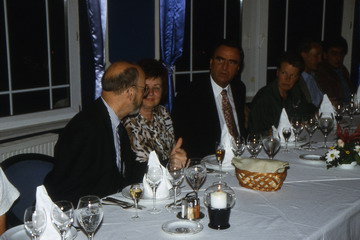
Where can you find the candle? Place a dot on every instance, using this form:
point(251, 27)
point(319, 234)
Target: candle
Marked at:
point(218, 199)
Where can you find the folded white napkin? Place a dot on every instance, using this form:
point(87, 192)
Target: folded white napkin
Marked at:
point(164, 186)
point(326, 107)
point(283, 123)
point(226, 141)
point(43, 201)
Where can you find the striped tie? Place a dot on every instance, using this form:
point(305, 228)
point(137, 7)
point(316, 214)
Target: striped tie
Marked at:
point(228, 114)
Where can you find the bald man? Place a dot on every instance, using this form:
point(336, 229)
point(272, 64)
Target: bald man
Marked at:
point(93, 154)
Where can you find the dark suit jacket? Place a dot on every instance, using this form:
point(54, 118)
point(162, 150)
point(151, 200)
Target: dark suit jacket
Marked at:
point(85, 158)
point(330, 82)
point(196, 119)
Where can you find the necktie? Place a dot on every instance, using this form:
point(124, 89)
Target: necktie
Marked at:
point(121, 133)
point(228, 114)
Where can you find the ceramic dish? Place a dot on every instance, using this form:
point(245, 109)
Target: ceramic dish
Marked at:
point(19, 233)
point(181, 227)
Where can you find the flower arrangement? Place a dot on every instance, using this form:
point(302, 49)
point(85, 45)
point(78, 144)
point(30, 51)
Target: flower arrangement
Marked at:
point(346, 150)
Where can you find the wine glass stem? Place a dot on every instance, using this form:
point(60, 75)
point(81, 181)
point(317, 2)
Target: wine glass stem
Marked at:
point(296, 139)
point(154, 198)
point(91, 236)
point(175, 190)
point(220, 172)
point(136, 208)
point(325, 140)
point(63, 235)
point(310, 137)
point(286, 149)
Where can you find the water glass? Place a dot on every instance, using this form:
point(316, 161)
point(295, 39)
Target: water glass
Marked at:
point(254, 144)
point(311, 125)
point(35, 221)
point(90, 214)
point(297, 126)
point(62, 216)
point(176, 176)
point(238, 146)
point(271, 146)
point(326, 124)
point(154, 175)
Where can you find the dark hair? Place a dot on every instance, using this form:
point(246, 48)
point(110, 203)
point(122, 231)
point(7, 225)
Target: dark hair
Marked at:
point(306, 44)
point(155, 69)
point(335, 42)
point(230, 43)
point(121, 81)
point(293, 59)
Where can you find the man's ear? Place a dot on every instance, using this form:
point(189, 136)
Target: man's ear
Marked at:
point(130, 93)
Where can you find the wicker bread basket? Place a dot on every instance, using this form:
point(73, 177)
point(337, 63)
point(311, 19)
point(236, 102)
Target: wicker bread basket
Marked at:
point(267, 182)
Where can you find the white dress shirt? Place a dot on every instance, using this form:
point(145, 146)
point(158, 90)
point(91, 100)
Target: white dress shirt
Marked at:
point(115, 121)
point(218, 99)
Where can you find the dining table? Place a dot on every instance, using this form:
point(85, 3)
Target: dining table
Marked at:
point(313, 203)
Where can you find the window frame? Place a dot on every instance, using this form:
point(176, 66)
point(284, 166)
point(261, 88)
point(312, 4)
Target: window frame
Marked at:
point(26, 124)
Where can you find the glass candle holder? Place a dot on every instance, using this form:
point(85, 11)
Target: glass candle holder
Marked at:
point(219, 199)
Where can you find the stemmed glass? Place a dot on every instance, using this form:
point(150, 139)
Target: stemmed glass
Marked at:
point(311, 125)
point(339, 112)
point(62, 216)
point(297, 126)
point(271, 146)
point(238, 146)
point(154, 175)
point(286, 132)
point(326, 124)
point(195, 176)
point(254, 145)
point(35, 221)
point(136, 191)
point(220, 154)
point(90, 214)
point(351, 110)
point(176, 177)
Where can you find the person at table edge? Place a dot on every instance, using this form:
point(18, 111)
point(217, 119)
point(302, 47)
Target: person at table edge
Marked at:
point(269, 101)
point(197, 111)
point(88, 159)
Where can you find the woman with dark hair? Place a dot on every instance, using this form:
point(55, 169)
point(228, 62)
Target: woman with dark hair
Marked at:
point(152, 128)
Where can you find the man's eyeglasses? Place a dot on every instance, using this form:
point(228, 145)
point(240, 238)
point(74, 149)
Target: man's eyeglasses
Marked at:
point(145, 89)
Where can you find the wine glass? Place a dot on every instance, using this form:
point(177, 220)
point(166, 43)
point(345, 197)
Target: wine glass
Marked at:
point(351, 110)
point(35, 221)
point(254, 145)
point(136, 191)
point(311, 125)
point(62, 216)
point(238, 146)
point(326, 124)
point(90, 214)
point(286, 132)
point(339, 112)
point(220, 154)
point(195, 176)
point(271, 146)
point(297, 126)
point(176, 177)
point(154, 175)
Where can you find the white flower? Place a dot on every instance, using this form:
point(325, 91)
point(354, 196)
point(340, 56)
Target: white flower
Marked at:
point(331, 155)
point(340, 143)
point(357, 149)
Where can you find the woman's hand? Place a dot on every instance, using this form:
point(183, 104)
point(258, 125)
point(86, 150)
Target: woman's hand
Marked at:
point(178, 155)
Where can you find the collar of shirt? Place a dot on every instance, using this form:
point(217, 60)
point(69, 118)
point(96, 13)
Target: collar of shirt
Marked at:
point(218, 98)
point(115, 121)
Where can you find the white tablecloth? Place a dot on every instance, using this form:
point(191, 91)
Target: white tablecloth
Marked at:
point(314, 203)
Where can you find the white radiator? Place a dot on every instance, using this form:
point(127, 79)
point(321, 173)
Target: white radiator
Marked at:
point(39, 144)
